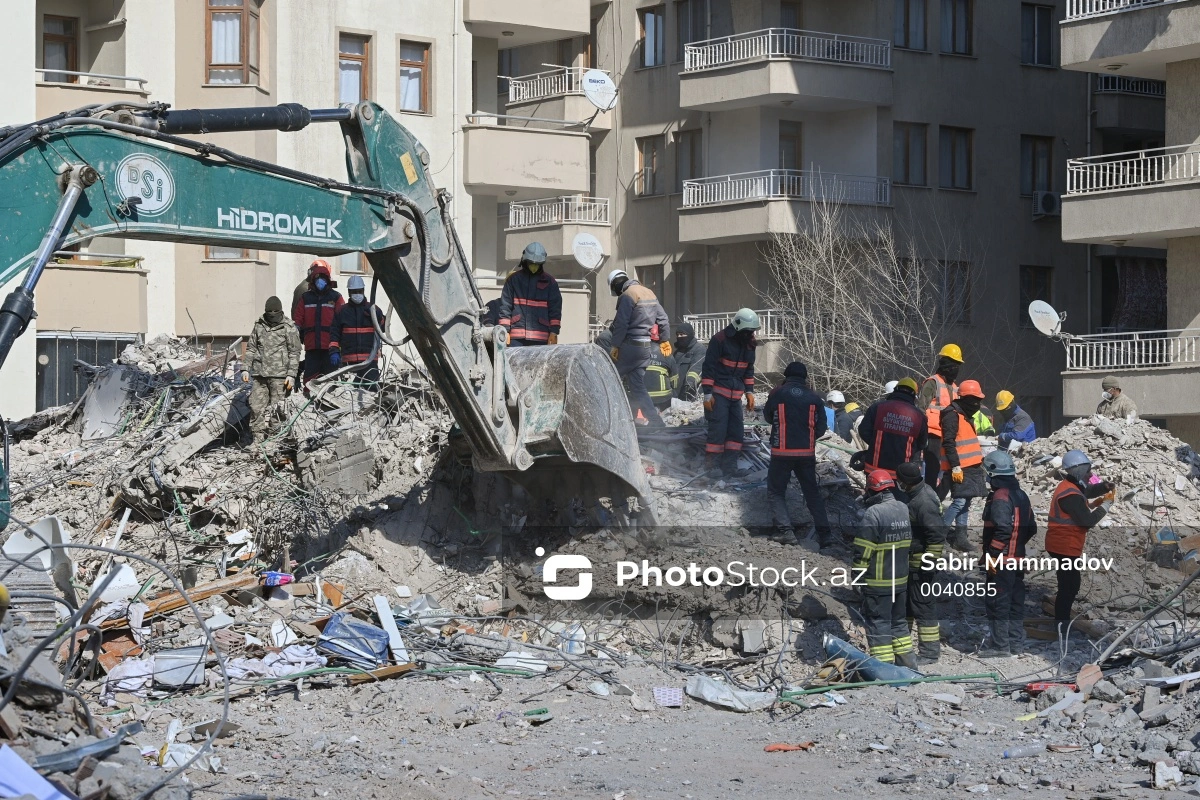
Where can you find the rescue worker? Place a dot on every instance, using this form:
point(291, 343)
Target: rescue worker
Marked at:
point(1008, 525)
point(889, 387)
point(982, 420)
point(937, 392)
point(662, 376)
point(728, 374)
point(272, 358)
point(893, 429)
point(928, 538)
point(313, 315)
point(530, 303)
point(1076, 506)
point(639, 323)
point(304, 285)
point(1015, 424)
point(354, 338)
point(1113, 403)
point(844, 425)
point(689, 355)
point(797, 420)
point(961, 462)
point(881, 548)
point(835, 403)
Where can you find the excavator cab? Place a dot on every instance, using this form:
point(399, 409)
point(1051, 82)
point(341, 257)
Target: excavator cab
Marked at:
point(552, 418)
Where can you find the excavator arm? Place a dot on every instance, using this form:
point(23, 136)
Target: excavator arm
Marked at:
point(553, 418)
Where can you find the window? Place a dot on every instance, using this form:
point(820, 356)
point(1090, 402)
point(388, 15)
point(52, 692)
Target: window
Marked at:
point(649, 180)
point(1037, 283)
point(688, 163)
point(690, 21)
point(58, 382)
point(567, 50)
point(353, 68)
point(60, 48)
point(232, 41)
point(789, 15)
point(590, 55)
point(506, 67)
point(414, 77)
point(354, 264)
point(908, 153)
point(593, 154)
point(956, 27)
point(1037, 165)
point(689, 287)
point(789, 145)
point(651, 43)
point(216, 252)
point(1037, 34)
point(952, 292)
point(651, 277)
point(909, 29)
point(955, 157)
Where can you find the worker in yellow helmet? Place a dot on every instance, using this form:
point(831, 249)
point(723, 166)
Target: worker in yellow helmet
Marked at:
point(1015, 423)
point(937, 393)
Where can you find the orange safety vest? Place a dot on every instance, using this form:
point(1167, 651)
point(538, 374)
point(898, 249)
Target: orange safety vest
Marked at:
point(970, 452)
point(1063, 536)
point(944, 394)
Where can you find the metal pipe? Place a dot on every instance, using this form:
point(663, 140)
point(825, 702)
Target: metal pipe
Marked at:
point(44, 71)
point(331, 114)
point(284, 117)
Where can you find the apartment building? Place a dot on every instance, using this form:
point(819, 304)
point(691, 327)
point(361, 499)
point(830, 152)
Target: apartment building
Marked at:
point(1137, 199)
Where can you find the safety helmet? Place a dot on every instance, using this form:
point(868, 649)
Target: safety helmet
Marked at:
point(1004, 399)
point(970, 389)
point(534, 253)
point(318, 267)
point(999, 462)
point(1076, 458)
point(879, 479)
point(835, 396)
point(356, 284)
point(617, 276)
point(851, 407)
point(907, 383)
point(745, 320)
point(951, 351)
point(890, 387)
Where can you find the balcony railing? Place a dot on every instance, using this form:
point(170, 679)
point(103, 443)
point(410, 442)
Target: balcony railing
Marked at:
point(1082, 9)
point(787, 43)
point(706, 325)
point(1120, 84)
point(787, 184)
point(558, 211)
point(1110, 352)
point(93, 78)
point(555, 82)
point(1106, 173)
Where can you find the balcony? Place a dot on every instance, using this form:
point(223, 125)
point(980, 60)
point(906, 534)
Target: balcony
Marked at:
point(1160, 370)
point(769, 356)
point(1129, 104)
point(93, 292)
point(1139, 198)
point(555, 222)
point(1136, 38)
point(516, 24)
point(507, 157)
point(63, 90)
point(753, 206)
point(809, 70)
point(554, 94)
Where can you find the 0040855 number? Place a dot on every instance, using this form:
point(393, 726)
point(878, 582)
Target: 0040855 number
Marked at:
point(958, 589)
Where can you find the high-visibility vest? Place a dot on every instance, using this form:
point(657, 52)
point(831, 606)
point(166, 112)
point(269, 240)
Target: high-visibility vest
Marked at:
point(1063, 536)
point(658, 382)
point(944, 394)
point(970, 452)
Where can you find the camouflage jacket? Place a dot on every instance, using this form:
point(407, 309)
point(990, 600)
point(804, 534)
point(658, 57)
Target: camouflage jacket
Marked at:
point(274, 350)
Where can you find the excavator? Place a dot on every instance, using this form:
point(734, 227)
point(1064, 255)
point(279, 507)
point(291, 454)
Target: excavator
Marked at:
point(553, 419)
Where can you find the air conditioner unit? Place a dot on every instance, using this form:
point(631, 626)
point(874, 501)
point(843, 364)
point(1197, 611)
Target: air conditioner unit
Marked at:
point(1047, 204)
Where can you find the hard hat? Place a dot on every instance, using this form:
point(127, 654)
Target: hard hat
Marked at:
point(999, 462)
point(907, 383)
point(534, 253)
point(952, 351)
point(1004, 399)
point(850, 407)
point(356, 284)
point(318, 266)
point(878, 480)
point(890, 387)
point(835, 396)
point(617, 275)
point(1110, 382)
point(1075, 458)
point(970, 389)
point(745, 320)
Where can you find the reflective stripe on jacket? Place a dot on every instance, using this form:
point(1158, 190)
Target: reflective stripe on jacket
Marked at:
point(531, 306)
point(1008, 522)
point(796, 417)
point(881, 548)
point(353, 333)
point(894, 430)
point(639, 316)
point(963, 450)
point(1063, 536)
point(943, 395)
point(662, 375)
point(313, 315)
point(728, 365)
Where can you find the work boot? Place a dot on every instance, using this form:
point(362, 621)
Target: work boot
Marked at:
point(994, 649)
point(826, 539)
point(930, 652)
point(729, 464)
point(780, 515)
point(960, 541)
point(784, 534)
point(712, 466)
point(908, 659)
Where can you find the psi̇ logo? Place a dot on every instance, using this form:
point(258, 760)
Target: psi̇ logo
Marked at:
point(550, 575)
point(143, 176)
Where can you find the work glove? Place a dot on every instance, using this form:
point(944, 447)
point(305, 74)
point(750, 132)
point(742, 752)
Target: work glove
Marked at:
point(956, 475)
point(709, 403)
point(616, 351)
point(245, 376)
point(554, 338)
point(750, 401)
point(665, 349)
point(288, 383)
point(335, 357)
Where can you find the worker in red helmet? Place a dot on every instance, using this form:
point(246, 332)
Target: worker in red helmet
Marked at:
point(314, 314)
point(961, 462)
point(881, 570)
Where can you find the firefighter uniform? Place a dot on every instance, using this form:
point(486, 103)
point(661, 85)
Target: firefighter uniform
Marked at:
point(354, 337)
point(881, 549)
point(689, 355)
point(530, 307)
point(797, 420)
point(1008, 525)
point(313, 314)
point(894, 430)
point(728, 374)
point(662, 377)
point(928, 538)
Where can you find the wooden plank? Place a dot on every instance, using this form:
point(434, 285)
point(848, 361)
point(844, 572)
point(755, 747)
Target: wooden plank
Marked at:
point(382, 674)
point(175, 601)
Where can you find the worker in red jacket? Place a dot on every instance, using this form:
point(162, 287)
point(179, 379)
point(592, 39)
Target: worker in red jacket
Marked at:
point(354, 339)
point(313, 315)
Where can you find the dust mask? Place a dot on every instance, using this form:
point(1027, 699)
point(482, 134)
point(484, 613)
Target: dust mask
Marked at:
point(1107, 395)
point(533, 268)
point(320, 283)
point(357, 298)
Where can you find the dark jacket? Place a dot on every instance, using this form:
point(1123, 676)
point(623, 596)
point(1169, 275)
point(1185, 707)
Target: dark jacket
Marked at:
point(885, 528)
point(844, 423)
point(314, 314)
point(928, 527)
point(639, 316)
point(1018, 426)
point(353, 332)
point(797, 419)
point(1008, 521)
point(662, 377)
point(974, 482)
point(531, 306)
point(691, 364)
point(728, 365)
point(895, 431)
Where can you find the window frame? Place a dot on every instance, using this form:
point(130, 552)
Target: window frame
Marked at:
point(1029, 171)
point(660, 42)
point(1043, 273)
point(695, 138)
point(652, 276)
point(1038, 8)
point(954, 6)
point(909, 129)
point(907, 44)
point(682, 38)
point(792, 130)
point(250, 63)
point(659, 143)
point(247, 254)
point(426, 67)
point(507, 62)
point(942, 178)
point(364, 88)
point(797, 8)
point(72, 43)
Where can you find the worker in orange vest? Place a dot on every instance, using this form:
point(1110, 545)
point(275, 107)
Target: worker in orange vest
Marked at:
point(937, 392)
point(961, 462)
point(1076, 506)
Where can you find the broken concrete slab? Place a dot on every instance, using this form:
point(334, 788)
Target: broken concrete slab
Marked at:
point(110, 390)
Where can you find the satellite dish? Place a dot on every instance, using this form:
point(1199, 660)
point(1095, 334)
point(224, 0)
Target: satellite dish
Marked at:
point(588, 251)
point(1045, 318)
point(599, 89)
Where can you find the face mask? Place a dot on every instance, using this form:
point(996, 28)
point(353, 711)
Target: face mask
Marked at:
point(1107, 395)
point(273, 317)
point(950, 372)
point(357, 298)
point(320, 283)
point(533, 268)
